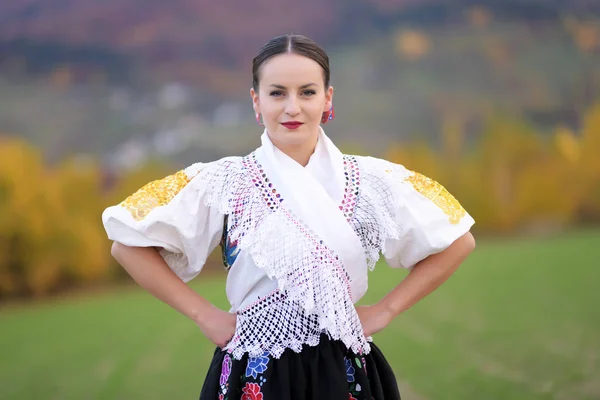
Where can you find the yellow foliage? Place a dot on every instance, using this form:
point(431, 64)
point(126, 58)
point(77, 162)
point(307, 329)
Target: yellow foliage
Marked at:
point(48, 222)
point(417, 157)
point(567, 144)
point(412, 44)
point(590, 140)
point(513, 177)
point(542, 195)
point(589, 170)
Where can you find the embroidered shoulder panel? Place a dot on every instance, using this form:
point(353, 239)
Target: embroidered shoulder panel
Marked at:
point(155, 194)
point(436, 193)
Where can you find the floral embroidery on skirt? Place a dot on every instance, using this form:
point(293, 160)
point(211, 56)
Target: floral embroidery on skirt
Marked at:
point(328, 371)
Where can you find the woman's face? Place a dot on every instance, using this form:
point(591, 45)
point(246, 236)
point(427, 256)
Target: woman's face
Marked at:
point(292, 99)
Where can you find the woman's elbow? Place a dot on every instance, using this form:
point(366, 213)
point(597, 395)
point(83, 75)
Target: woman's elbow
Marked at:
point(116, 249)
point(469, 242)
point(465, 246)
point(461, 248)
point(119, 251)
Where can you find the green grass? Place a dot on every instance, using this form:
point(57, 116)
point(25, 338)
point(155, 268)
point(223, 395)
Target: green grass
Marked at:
point(520, 320)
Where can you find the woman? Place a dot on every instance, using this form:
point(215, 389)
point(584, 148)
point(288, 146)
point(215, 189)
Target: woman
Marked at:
point(300, 225)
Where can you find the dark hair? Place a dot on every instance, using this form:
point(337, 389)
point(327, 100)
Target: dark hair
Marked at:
point(294, 44)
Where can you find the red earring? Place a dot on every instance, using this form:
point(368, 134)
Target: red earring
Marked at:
point(328, 115)
point(258, 121)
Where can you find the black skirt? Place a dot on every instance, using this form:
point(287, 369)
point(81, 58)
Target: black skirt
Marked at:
point(328, 371)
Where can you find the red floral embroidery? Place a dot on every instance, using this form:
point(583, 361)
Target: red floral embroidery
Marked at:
point(221, 397)
point(252, 392)
point(350, 397)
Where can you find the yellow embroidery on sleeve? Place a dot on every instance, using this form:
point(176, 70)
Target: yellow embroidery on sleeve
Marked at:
point(438, 195)
point(155, 194)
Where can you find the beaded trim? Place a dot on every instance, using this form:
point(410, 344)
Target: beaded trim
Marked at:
point(261, 181)
point(352, 175)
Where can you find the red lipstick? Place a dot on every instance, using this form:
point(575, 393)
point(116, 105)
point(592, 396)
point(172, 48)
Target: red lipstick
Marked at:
point(292, 124)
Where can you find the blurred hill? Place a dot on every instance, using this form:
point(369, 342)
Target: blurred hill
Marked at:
point(189, 39)
point(134, 79)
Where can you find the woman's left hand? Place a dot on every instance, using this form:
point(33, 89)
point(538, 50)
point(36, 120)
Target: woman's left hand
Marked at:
point(374, 318)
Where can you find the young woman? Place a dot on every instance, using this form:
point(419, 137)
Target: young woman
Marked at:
point(300, 225)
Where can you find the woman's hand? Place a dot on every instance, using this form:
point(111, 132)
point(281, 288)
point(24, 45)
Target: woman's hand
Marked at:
point(373, 318)
point(147, 267)
point(217, 325)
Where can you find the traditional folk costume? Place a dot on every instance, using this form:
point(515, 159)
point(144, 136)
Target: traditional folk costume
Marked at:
point(298, 243)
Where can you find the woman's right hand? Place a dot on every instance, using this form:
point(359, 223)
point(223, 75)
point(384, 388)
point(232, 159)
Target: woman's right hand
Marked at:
point(218, 326)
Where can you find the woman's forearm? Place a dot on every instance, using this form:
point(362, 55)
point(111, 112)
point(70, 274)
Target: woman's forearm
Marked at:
point(427, 275)
point(150, 271)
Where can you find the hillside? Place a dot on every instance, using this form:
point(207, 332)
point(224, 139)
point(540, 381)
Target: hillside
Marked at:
point(192, 40)
point(128, 78)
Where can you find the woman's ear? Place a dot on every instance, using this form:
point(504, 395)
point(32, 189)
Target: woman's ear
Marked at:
point(255, 102)
point(328, 99)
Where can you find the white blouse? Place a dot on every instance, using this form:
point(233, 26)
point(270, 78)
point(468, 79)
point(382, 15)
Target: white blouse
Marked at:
point(298, 241)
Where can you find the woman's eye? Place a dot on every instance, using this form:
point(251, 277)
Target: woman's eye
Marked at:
point(310, 93)
point(276, 93)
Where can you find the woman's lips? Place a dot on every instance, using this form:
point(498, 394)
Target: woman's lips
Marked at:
point(292, 125)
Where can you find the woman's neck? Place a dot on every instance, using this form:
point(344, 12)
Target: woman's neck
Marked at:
point(300, 152)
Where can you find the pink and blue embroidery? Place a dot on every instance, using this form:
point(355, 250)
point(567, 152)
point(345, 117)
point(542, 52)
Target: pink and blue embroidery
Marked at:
point(261, 181)
point(253, 379)
point(229, 248)
point(352, 176)
point(272, 198)
point(349, 370)
point(224, 378)
point(225, 370)
point(257, 365)
point(354, 387)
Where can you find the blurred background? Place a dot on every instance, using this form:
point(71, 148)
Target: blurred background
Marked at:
point(497, 100)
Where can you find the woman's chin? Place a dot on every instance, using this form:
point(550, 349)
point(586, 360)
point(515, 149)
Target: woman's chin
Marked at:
point(292, 137)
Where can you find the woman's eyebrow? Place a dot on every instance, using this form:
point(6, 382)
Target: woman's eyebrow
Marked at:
point(301, 87)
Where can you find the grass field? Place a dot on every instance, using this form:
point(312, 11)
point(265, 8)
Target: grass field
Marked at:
point(520, 320)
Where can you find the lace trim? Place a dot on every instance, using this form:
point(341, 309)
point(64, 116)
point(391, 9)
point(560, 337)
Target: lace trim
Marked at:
point(229, 248)
point(307, 272)
point(375, 218)
point(282, 323)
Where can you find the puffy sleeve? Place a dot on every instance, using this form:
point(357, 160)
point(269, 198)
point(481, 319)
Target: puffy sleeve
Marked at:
point(171, 214)
point(428, 218)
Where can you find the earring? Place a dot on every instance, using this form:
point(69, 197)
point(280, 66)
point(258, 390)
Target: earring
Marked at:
point(328, 115)
point(258, 121)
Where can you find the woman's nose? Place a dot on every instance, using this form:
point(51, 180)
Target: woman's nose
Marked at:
point(292, 107)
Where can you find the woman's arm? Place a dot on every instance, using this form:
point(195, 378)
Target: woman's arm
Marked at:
point(424, 278)
point(150, 271)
